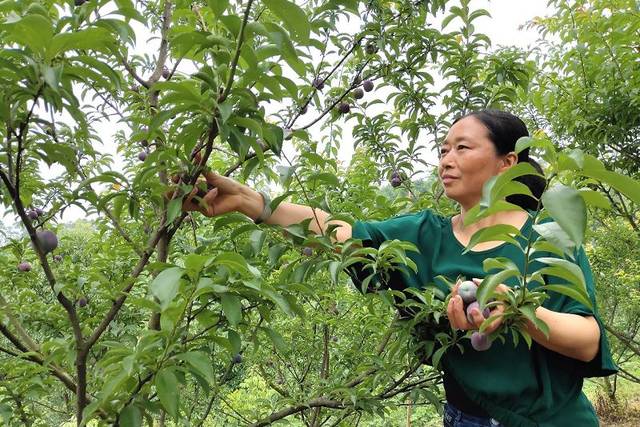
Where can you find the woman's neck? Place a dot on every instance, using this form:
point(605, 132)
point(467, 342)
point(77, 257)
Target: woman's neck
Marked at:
point(515, 218)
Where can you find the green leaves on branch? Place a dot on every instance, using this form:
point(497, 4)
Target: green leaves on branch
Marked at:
point(568, 209)
point(167, 388)
point(292, 16)
point(166, 284)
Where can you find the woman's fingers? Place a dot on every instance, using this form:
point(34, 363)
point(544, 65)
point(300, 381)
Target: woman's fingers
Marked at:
point(495, 324)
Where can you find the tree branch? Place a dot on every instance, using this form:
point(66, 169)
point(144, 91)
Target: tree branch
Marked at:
point(314, 403)
point(234, 63)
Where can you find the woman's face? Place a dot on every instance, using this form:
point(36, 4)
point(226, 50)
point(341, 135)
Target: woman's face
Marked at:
point(468, 159)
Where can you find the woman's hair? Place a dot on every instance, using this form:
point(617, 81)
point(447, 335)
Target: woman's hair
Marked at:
point(504, 130)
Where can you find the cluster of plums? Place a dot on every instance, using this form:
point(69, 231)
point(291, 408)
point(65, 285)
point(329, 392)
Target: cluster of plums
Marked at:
point(34, 214)
point(344, 107)
point(467, 291)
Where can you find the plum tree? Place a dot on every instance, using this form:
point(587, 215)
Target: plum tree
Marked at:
point(47, 240)
point(467, 291)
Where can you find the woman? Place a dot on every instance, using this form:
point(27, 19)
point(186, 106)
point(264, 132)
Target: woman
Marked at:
point(507, 384)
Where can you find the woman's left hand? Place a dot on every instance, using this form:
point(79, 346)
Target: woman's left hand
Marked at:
point(458, 317)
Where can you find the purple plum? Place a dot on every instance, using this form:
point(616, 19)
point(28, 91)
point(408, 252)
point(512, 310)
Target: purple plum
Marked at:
point(367, 85)
point(24, 266)
point(467, 291)
point(47, 240)
point(474, 305)
point(318, 83)
point(480, 341)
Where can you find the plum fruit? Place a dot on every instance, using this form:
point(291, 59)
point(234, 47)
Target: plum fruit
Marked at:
point(47, 240)
point(318, 83)
point(474, 305)
point(24, 266)
point(480, 341)
point(358, 93)
point(467, 291)
point(367, 85)
point(344, 108)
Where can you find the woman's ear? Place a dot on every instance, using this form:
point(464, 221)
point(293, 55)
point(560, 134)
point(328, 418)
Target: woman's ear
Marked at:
point(509, 160)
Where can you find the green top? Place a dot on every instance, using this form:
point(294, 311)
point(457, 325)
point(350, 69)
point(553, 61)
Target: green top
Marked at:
point(516, 385)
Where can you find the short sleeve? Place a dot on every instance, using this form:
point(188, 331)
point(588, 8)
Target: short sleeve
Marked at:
point(376, 232)
point(602, 365)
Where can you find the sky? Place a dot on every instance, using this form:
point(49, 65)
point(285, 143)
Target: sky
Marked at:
point(503, 28)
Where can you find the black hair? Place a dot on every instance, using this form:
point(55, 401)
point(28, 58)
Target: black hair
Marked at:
point(504, 129)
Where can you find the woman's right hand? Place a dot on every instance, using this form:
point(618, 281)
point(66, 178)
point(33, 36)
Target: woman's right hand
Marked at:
point(226, 195)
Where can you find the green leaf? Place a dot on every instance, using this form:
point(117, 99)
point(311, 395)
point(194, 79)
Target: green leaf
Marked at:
point(292, 16)
point(476, 213)
point(33, 31)
point(167, 388)
point(234, 340)
point(174, 209)
point(595, 199)
point(569, 291)
point(232, 308)
point(627, 186)
point(489, 284)
point(91, 38)
point(502, 232)
point(131, 416)
point(277, 340)
point(555, 235)
point(568, 209)
point(234, 262)
point(52, 153)
point(166, 284)
point(218, 6)
point(200, 364)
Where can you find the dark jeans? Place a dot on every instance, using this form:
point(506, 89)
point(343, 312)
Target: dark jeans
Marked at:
point(453, 417)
